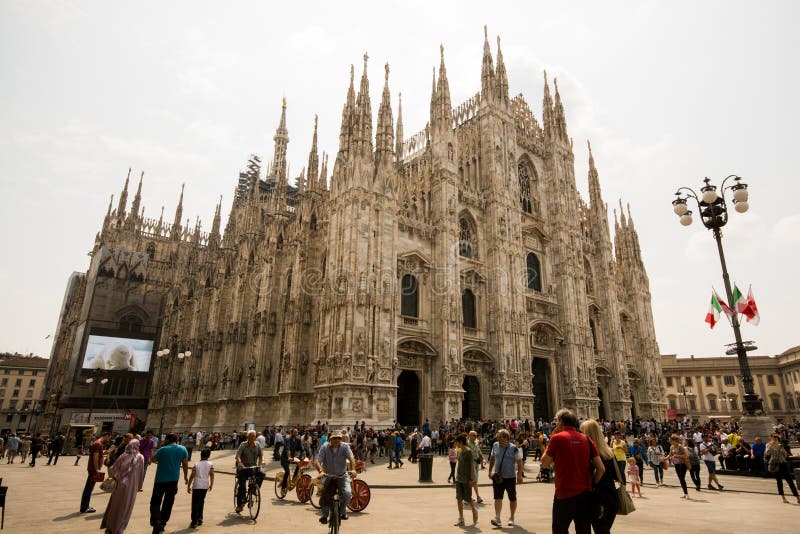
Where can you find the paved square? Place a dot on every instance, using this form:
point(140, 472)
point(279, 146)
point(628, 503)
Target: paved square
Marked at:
point(45, 499)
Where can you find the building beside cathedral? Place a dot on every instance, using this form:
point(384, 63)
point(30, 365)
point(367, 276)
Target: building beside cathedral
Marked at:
point(454, 272)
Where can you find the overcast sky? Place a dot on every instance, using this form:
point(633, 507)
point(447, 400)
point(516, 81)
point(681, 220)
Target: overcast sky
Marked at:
point(667, 92)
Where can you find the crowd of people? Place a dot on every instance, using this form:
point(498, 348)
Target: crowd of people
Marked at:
point(585, 491)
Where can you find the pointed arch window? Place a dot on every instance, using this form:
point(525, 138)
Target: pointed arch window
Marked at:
point(524, 188)
point(409, 297)
point(467, 246)
point(534, 272)
point(468, 309)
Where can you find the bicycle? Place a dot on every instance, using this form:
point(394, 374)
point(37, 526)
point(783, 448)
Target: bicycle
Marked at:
point(253, 495)
point(361, 493)
point(301, 480)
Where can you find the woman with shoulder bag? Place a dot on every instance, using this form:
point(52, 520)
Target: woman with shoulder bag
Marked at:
point(777, 464)
point(128, 471)
point(604, 493)
point(679, 457)
point(694, 463)
point(655, 455)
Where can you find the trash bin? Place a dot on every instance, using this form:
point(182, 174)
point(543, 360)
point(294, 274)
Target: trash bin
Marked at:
point(425, 462)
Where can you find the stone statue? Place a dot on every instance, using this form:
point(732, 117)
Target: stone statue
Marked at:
point(372, 367)
point(239, 374)
point(304, 362)
point(225, 374)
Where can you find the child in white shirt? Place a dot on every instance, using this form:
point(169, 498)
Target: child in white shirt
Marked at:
point(200, 482)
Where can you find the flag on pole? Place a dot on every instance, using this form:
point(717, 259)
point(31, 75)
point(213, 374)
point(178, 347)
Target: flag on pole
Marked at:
point(725, 308)
point(738, 302)
point(714, 309)
point(751, 310)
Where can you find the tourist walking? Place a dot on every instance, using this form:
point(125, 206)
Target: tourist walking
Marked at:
point(620, 448)
point(201, 481)
point(146, 446)
point(464, 480)
point(505, 465)
point(776, 454)
point(604, 490)
point(171, 458)
point(694, 463)
point(569, 449)
point(56, 446)
point(128, 471)
point(477, 455)
point(36, 448)
point(655, 457)
point(94, 468)
point(13, 448)
point(708, 451)
point(679, 458)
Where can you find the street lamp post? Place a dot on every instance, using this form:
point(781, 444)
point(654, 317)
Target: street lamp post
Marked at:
point(181, 356)
point(713, 210)
point(91, 382)
point(685, 393)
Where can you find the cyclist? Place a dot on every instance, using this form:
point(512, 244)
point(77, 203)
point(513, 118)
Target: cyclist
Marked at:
point(249, 454)
point(293, 448)
point(333, 459)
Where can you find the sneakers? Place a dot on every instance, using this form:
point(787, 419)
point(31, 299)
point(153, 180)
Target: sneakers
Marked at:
point(239, 509)
point(344, 517)
point(323, 520)
point(510, 521)
point(89, 510)
point(474, 516)
point(496, 522)
point(479, 501)
point(720, 486)
point(710, 487)
point(192, 525)
point(459, 522)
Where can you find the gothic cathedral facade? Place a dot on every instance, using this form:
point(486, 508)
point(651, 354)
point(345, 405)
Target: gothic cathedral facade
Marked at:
point(454, 273)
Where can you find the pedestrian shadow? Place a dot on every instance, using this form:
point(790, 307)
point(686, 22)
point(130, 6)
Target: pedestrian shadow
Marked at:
point(69, 516)
point(697, 500)
point(230, 520)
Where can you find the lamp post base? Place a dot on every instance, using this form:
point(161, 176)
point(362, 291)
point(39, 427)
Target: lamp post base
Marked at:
point(756, 426)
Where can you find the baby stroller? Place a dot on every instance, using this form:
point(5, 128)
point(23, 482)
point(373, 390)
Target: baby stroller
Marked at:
point(545, 475)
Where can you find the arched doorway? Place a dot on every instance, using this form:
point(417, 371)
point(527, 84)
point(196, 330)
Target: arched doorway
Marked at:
point(601, 407)
point(471, 405)
point(541, 391)
point(408, 398)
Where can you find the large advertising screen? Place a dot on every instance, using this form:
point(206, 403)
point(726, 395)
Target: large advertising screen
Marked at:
point(118, 354)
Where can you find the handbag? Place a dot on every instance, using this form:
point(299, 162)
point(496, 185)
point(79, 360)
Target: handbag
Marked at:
point(624, 502)
point(665, 464)
point(98, 476)
point(109, 485)
point(497, 476)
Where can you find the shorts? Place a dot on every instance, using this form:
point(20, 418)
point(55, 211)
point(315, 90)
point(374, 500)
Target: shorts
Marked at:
point(509, 485)
point(711, 465)
point(463, 491)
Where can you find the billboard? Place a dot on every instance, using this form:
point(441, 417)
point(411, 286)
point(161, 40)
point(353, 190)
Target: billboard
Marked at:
point(118, 354)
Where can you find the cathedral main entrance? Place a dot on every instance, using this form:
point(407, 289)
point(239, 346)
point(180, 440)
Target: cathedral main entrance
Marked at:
point(408, 398)
point(541, 390)
point(471, 405)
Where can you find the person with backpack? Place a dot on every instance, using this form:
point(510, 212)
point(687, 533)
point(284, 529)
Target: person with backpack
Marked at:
point(655, 457)
point(694, 463)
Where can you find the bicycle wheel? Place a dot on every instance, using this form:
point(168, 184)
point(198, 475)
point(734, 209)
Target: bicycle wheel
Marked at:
point(303, 488)
point(361, 496)
point(254, 500)
point(333, 524)
point(279, 492)
point(236, 494)
point(313, 494)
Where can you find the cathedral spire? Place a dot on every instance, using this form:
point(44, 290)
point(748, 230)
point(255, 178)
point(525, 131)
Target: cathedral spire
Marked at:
point(595, 197)
point(176, 225)
point(301, 182)
point(279, 173)
point(214, 237)
point(313, 159)
point(363, 120)
point(110, 202)
point(502, 76)
point(398, 149)
point(433, 93)
point(487, 68)
point(323, 175)
point(123, 197)
point(384, 137)
point(623, 222)
point(348, 112)
point(547, 109)
point(137, 201)
point(442, 108)
point(558, 111)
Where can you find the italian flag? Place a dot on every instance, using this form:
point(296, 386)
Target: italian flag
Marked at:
point(738, 302)
point(714, 309)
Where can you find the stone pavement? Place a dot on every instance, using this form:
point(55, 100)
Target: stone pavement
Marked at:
point(45, 499)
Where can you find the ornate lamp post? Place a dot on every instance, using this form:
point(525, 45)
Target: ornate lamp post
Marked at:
point(686, 393)
point(180, 356)
point(713, 210)
point(92, 383)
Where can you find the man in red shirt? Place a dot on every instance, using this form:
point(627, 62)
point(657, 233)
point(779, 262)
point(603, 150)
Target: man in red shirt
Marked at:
point(94, 465)
point(574, 455)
